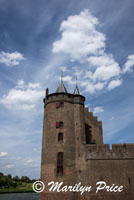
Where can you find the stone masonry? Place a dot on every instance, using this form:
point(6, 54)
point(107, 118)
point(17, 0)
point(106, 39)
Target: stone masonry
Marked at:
point(71, 132)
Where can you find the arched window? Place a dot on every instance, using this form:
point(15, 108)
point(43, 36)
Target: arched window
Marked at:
point(60, 137)
point(60, 163)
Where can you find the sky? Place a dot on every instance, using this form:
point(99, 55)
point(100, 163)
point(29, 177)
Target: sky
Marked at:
point(92, 40)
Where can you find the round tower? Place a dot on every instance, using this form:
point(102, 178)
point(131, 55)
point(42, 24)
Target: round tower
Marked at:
point(63, 130)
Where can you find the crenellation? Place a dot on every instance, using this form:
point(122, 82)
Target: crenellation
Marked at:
point(85, 158)
point(118, 151)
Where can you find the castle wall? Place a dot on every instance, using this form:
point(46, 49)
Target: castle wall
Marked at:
point(96, 126)
point(85, 163)
point(113, 166)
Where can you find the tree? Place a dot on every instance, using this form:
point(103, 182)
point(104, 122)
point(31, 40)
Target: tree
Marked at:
point(16, 178)
point(25, 179)
point(9, 175)
point(1, 174)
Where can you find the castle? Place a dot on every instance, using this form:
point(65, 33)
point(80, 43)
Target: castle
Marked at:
point(73, 151)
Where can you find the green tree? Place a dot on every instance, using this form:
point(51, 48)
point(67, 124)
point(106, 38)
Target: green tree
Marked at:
point(16, 178)
point(1, 174)
point(25, 179)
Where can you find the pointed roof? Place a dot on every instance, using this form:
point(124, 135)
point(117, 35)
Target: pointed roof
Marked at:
point(61, 88)
point(76, 91)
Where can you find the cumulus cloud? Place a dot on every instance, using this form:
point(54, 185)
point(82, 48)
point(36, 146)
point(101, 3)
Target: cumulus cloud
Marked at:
point(98, 110)
point(91, 87)
point(114, 83)
point(11, 59)
point(81, 41)
point(129, 64)
point(3, 154)
point(79, 37)
point(106, 67)
point(63, 68)
point(23, 97)
point(69, 79)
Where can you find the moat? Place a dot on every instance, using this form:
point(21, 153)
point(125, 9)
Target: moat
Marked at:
point(19, 196)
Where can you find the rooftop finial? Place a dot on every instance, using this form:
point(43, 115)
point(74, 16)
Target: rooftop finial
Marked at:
point(76, 91)
point(61, 75)
point(76, 80)
point(61, 88)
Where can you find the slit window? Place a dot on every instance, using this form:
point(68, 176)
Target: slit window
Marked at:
point(88, 134)
point(60, 137)
point(60, 163)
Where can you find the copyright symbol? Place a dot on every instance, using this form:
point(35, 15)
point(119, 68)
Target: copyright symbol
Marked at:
point(38, 186)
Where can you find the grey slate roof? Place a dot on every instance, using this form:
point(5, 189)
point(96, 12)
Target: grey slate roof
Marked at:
point(76, 91)
point(61, 88)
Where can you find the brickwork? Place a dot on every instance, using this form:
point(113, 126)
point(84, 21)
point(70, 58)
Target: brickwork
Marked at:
point(85, 162)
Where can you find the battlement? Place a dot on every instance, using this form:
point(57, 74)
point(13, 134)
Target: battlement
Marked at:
point(118, 151)
point(93, 118)
point(66, 97)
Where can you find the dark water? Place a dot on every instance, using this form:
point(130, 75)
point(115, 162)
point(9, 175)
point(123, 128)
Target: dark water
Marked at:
point(19, 196)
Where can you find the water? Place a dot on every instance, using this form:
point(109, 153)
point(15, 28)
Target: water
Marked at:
point(19, 196)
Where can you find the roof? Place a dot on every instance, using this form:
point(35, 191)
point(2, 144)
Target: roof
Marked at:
point(76, 91)
point(61, 88)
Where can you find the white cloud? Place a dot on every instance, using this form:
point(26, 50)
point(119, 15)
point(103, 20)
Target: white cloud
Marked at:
point(77, 72)
point(106, 67)
point(20, 84)
point(33, 85)
point(82, 42)
point(9, 166)
point(114, 83)
point(68, 79)
point(23, 97)
point(29, 161)
point(11, 59)
point(91, 87)
point(129, 64)
point(63, 68)
point(79, 37)
point(98, 110)
point(3, 154)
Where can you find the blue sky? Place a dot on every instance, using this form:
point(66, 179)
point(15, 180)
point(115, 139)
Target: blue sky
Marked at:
point(90, 39)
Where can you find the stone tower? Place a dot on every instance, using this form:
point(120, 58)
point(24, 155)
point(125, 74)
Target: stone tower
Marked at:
point(72, 146)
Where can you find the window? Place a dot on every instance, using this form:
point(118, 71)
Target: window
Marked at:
point(88, 134)
point(60, 137)
point(59, 104)
point(60, 163)
point(59, 124)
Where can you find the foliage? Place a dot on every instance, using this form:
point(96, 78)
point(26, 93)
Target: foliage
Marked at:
point(15, 184)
